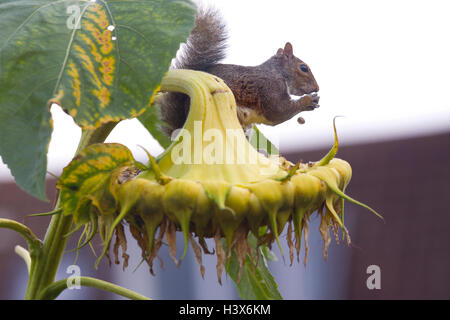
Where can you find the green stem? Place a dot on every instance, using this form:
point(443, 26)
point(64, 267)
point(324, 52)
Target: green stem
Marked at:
point(24, 231)
point(54, 290)
point(56, 211)
point(44, 266)
point(34, 244)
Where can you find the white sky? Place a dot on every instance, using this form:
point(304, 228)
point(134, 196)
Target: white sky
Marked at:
point(384, 65)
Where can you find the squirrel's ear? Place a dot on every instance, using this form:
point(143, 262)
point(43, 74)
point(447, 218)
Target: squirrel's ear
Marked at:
point(279, 52)
point(288, 49)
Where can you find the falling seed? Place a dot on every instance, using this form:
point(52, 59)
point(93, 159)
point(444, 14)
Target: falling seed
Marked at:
point(111, 27)
point(300, 120)
point(113, 38)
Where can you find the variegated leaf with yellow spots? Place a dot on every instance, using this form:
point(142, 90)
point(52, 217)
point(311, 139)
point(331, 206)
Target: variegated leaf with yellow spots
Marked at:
point(86, 181)
point(100, 60)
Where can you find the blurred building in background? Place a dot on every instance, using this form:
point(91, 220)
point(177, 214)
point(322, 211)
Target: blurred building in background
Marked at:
point(407, 181)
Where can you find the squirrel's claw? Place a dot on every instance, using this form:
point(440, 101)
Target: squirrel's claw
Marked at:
point(310, 101)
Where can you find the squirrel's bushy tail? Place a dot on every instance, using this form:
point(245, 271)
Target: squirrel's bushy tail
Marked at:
point(205, 47)
point(206, 44)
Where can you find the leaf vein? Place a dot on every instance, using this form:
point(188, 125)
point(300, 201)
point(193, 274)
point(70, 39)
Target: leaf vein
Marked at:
point(28, 19)
point(32, 91)
point(69, 46)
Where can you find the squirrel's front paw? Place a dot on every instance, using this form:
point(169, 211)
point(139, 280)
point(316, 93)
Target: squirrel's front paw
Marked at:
point(310, 101)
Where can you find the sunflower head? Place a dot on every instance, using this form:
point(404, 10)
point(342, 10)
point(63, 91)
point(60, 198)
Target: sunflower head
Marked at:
point(209, 183)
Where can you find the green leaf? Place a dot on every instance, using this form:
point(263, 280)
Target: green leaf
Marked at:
point(268, 254)
point(99, 60)
point(151, 120)
point(256, 282)
point(87, 180)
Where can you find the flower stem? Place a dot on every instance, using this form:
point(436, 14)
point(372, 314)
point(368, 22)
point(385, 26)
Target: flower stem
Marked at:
point(24, 231)
point(45, 265)
point(53, 290)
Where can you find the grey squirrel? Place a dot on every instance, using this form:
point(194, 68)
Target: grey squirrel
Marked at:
point(262, 92)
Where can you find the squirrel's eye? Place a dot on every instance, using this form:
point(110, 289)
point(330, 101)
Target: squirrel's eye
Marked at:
point(304, 68)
